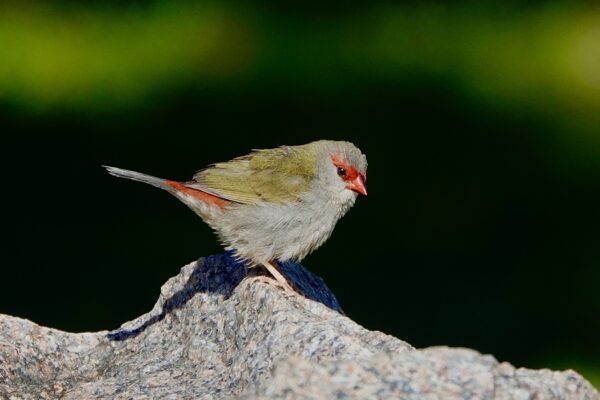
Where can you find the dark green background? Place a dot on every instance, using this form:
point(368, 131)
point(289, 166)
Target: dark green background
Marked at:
point(481, 228)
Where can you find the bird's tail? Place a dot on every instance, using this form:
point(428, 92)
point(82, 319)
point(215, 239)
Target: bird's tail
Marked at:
point(137, 176)
point(190, 196)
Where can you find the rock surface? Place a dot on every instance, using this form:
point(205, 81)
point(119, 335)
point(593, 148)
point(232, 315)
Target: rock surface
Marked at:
point(219, 331)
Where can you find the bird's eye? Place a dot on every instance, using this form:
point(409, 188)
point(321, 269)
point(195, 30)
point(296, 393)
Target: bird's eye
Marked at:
point(341, 171)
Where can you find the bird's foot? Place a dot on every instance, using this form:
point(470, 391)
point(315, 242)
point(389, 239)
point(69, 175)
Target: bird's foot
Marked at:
point(274, 270)
point(271, 281)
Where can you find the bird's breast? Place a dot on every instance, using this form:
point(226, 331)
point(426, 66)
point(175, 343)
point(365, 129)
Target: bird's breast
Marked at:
point(269, 231)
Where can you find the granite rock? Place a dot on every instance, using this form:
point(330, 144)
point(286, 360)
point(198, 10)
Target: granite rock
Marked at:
point(222, 331)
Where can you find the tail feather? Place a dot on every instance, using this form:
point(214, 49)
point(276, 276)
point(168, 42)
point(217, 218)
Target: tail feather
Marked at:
point(137, 176)
point(188, 195)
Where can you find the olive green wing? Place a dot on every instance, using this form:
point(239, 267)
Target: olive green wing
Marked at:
point(274, 175)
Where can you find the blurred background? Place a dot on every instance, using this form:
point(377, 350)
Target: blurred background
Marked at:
point(481, 122)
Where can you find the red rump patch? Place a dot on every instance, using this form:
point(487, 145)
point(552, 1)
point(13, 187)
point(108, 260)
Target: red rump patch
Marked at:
point(199, 194)
point(351, 172)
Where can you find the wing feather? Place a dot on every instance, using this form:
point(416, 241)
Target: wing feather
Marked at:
point(274, 175)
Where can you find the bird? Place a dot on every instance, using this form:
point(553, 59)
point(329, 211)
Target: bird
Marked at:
point(272, 205)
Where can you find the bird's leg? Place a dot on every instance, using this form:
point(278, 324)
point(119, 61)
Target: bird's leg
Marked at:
point(273, 268)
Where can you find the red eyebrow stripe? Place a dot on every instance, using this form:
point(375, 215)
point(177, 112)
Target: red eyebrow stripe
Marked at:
point(200, 195)
point(352, 172)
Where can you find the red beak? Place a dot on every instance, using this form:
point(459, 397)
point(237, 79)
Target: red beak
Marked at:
point(358, 185)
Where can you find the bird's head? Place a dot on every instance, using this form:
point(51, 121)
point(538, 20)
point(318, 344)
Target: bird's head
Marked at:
point(350, 175)
point(343, 169)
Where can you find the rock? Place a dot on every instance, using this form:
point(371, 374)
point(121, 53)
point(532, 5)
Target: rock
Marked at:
point(220, 331)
